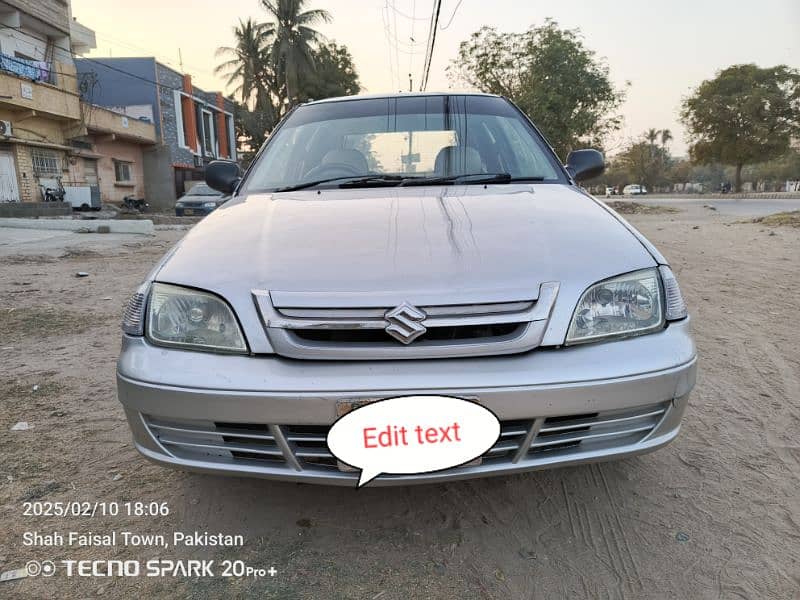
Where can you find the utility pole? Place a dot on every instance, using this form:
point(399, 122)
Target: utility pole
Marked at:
point(180, 60)
point(410, 83)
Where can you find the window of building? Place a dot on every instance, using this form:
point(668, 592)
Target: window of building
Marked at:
point(208, 133)
point(229, 135)
point(122, 171)
point(46, 163)
point(179, 118)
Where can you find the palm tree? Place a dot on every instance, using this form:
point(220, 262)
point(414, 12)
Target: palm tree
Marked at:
point(294, 38)
point(247, 60)
point(666, 137)
point(651, 136)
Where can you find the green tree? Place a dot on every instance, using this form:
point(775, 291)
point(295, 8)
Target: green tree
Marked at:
point(255, 68)
point(549, 73)
point(294, 39)
point(246, 61)
point(645, 162)
point(251, 74)
point(334, 74)
point(744, 115)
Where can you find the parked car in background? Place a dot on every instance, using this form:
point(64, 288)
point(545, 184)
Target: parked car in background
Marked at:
point(349, 267)
point(634, 190)
point(200, 200)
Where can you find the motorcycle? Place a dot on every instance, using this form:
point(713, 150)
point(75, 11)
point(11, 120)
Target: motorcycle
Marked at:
point(53, 195)
point(132, 203)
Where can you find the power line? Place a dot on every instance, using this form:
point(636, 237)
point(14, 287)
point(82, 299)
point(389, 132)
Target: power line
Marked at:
point(387, 34)
point(413, 17)
point(411, 37)
point(396, 43)
point(437, 8)
point(161, 58)
point(453, 16)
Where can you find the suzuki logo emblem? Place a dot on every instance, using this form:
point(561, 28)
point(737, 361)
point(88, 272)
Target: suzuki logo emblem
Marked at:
point(404, 323)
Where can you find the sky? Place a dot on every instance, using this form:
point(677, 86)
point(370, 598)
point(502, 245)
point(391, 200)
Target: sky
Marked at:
point(663, 50)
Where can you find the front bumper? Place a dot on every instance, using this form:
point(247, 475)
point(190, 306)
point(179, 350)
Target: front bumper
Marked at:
point(159, 385)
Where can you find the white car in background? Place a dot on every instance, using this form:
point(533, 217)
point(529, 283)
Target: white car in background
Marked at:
point(634, 190)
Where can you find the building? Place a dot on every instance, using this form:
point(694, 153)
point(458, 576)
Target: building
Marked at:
point(48, 136)
point(192, 126)
point(110, 157)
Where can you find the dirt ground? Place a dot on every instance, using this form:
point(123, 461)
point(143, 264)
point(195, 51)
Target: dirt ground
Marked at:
point(714, 515)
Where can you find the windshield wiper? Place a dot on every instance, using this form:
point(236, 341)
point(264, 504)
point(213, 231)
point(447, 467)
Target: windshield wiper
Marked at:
point(373, 180)
point(346, 181)
point(469, 178)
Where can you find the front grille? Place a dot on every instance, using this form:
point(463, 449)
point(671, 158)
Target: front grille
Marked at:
point(304, 447)
point(379, 336)
point(304, 325)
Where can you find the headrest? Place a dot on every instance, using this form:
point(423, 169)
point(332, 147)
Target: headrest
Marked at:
point(458, 160)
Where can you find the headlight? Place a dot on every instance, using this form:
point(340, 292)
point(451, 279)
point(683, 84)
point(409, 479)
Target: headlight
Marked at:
point(179, 205)
point(192, 319)
point(210, 204)
point(627, 305)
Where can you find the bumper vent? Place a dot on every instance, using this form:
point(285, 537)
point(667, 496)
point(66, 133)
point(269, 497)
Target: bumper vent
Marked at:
point(304, 448)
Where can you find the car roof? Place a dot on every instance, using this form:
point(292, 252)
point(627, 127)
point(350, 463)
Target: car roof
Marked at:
point(397, 95)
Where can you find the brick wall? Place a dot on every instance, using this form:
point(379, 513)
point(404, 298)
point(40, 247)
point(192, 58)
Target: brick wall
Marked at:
point(170, 80)
point(28, 188)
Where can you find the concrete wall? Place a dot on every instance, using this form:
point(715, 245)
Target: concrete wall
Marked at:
point(47, 99)
point(110, 189)
point(99, 119)
point(104, 153)
point(53, 12)
point(159, 183)
point(34, 209)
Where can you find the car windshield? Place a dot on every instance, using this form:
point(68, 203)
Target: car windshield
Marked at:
point(403, 141)
point(202, 190)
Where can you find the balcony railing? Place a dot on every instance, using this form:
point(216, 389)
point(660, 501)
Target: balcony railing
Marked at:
point(35, 70)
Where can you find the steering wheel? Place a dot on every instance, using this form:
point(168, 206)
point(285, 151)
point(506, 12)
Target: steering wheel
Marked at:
point(327, 170)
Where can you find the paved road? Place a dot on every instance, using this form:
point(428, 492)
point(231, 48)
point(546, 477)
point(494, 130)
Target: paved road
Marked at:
point(738, 207)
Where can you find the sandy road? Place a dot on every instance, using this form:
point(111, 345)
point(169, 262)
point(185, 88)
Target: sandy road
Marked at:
point(714, 515)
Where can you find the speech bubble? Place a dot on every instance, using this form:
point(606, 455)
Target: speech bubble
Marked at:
point(409, 435)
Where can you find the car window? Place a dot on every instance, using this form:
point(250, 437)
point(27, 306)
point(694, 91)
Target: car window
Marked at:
point(414, 136)
point(202, 190)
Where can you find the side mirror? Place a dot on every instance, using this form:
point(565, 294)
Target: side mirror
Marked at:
point(223, 175)
point(585, 164)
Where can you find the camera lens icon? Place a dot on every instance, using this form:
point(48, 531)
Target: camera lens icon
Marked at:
point(45, 568)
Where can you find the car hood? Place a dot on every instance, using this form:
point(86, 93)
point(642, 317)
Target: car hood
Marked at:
point(383, 246)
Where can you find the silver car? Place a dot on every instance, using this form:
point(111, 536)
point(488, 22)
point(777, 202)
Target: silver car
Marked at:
point(395, 245)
